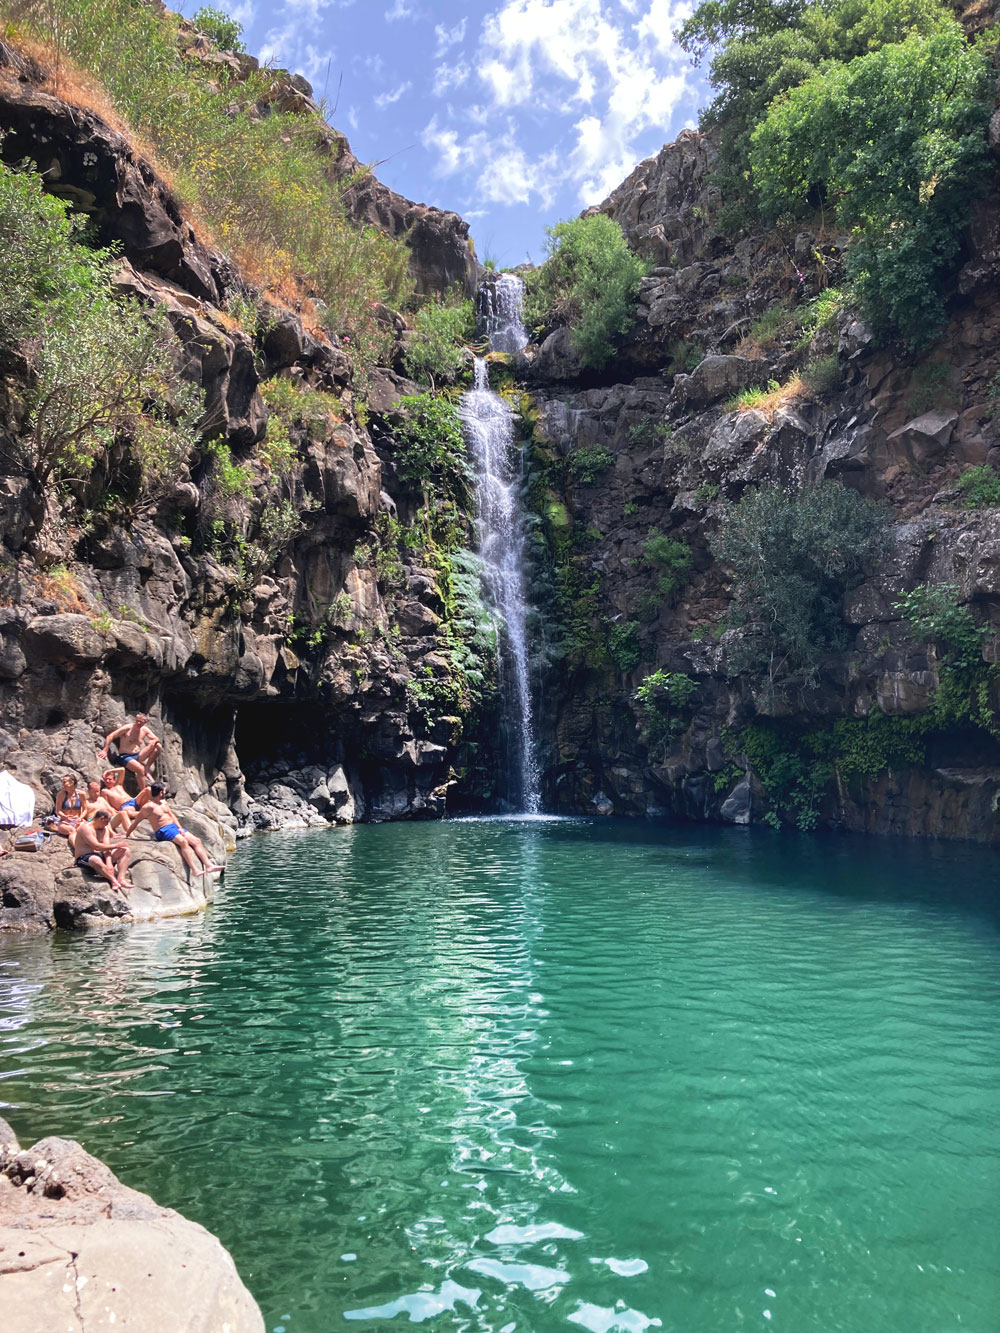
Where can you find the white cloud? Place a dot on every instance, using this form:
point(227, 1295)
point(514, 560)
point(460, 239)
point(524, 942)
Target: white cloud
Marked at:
point(289, 43)
point(449, 37)
point(389, 98)
point(611, 64)
point(352, 117)
point(401, 9)
point(448, 76)
point(506, 175)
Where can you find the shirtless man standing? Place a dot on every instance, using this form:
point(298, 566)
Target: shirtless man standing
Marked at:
point(167, 829)
point(138, 747)
point(94, 850)
point(118, 798)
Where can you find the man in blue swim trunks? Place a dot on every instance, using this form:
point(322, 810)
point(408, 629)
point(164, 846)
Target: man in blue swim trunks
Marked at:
point(138, 747)
point(166, 829)
point(95, 850)
point(118, 798)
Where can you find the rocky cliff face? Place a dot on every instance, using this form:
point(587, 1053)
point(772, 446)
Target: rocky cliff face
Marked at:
point(310, 679)
point(656, 444)
point(315, 674)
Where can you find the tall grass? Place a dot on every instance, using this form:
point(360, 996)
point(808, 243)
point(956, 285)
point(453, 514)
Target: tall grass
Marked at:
point(261, 179)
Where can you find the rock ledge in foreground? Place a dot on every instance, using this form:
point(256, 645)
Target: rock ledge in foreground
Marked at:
point(79, 1250)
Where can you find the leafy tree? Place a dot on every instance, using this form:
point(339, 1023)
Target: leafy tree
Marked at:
point(793, 556)
point(763, 49)
point(97, 367)
point(589, 282)
point(897, 140)
point(220, 28)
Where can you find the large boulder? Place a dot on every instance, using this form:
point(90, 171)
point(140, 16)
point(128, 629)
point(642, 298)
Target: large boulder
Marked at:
point(78, 1249)
point(718, 377)
point(41, 890)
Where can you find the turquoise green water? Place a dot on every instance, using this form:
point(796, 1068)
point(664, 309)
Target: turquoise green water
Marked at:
point(502, 1076)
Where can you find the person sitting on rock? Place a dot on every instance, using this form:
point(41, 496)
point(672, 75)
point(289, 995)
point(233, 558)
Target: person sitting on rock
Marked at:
point(166, 829)
point(69, 807)
point(95, 850)
point(138, 747)
point(118, 798)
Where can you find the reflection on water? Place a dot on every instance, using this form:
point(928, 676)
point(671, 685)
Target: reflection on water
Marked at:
point(528, 1074)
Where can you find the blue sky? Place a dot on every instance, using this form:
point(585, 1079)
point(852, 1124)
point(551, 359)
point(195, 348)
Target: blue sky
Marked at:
point(516, 113)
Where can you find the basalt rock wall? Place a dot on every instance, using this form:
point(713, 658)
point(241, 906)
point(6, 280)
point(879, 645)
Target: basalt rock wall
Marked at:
point(325, 657)
point(655, 444)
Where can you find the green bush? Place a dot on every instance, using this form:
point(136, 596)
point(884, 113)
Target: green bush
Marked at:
point(589, 282)
point(665, 700)
point(99, 367)
point(590, 462)
point(762, 48)
point(979, 487)
point(671, 558)
point(793, 556)
point(220, 28)
point(435, 349)
point(430, 444)
point(623, 645)
point(298, 405)
point(896, 139)
point(935, 612)
point(822, 375)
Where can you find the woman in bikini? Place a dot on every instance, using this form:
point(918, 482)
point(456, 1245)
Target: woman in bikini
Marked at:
point(69, 807)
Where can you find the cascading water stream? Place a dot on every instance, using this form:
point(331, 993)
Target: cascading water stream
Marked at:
point(499, 307)
point(489, 426)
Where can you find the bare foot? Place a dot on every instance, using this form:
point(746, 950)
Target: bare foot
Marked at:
point(213, 869)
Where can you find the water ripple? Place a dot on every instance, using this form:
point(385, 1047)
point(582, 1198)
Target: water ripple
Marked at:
point(522, 1075)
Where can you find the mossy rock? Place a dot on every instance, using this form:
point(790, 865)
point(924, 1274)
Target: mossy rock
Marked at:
point(556, 514)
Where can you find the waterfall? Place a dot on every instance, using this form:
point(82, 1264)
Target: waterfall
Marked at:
point(499, 312)
point(489, 427)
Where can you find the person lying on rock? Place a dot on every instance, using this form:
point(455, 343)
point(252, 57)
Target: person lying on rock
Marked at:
point(138, 747)
point(166, 829)
point(95, 850)
point(69, 807)
point(118, 798)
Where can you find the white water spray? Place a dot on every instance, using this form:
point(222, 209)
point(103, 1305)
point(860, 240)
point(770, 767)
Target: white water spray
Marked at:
point(499, 311)
point(489, 428)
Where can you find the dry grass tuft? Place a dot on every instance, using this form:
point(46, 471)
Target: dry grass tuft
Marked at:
point(768, 401)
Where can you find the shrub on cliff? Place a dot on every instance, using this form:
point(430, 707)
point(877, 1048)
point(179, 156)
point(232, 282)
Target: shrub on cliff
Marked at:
point(762, 48)
point(431, 447)
point(220, 28)
point(589, 282)
point(897, 141)
point(262, 182)
point(792, 557)
point(94, 367)
point(435, 350)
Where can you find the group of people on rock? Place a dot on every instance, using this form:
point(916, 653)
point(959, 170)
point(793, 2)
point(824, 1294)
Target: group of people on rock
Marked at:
point(98, 821)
